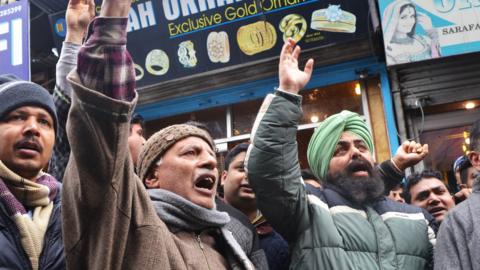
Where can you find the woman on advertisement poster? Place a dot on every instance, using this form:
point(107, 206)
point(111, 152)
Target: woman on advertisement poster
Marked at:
point(402, 42)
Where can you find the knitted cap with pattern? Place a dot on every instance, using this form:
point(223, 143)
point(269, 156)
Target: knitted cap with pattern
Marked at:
point(160, 142)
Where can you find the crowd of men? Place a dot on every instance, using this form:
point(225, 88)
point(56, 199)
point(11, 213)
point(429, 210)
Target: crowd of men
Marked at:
point(113, 200)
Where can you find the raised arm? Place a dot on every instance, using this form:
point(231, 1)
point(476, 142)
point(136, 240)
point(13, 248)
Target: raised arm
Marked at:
point(291, 78)
point(272, 162)
point(79, 14)
point(99, 180)
point(408, 154)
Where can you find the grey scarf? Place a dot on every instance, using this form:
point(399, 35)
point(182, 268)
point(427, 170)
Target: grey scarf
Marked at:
point(181, 213)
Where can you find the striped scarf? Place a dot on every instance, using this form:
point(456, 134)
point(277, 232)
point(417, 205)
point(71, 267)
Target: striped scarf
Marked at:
point(17, 193)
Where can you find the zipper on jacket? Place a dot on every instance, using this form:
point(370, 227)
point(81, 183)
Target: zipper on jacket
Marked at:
point(199, 240)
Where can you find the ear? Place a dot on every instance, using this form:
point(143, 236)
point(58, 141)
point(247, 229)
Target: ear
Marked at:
point(474, 158)
point(223, 177)
point(152, 181)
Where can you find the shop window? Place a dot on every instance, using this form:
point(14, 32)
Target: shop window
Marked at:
point(243, 116)
point(318, 104)
point(445, 146)
point(213, 118)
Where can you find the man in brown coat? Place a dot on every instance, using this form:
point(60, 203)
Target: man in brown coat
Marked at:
point(110, 221)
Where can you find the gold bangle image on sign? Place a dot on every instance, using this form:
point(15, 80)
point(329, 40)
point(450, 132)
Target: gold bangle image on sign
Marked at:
point(157, 62)
point(256, 37)
point(186, 54)
point(218, 47)
point(138, 72)
point(293, 26)
point(333, 19)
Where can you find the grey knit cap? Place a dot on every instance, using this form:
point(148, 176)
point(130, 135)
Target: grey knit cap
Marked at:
point(161, 141)
point(16, 93)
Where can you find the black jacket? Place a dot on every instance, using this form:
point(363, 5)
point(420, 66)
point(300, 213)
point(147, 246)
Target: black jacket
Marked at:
point(12, 255)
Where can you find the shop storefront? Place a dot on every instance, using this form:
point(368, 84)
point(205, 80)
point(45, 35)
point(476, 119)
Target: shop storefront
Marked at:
point(433, 60)
point(360, 86)
point(439, 100)
point(220, 73)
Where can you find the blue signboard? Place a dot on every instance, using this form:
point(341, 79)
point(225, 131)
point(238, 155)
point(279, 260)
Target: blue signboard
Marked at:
point(170, 39)
point(14, 39)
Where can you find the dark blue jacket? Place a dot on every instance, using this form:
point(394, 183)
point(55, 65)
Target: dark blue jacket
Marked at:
point(12, 255)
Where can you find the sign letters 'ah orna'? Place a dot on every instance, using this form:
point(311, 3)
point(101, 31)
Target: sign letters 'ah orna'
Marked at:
point(169, 39)
point(14, 39)
point(416, 30)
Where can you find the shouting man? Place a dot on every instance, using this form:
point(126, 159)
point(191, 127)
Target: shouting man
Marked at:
point(350, 225)
point(110, 221)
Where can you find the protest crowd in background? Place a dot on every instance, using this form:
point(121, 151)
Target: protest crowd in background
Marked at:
point(82, 188)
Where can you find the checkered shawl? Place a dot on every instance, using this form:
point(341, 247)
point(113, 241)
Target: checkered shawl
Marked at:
point(107, 68)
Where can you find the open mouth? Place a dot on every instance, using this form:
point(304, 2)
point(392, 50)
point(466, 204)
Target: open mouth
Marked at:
point(360, 168)
point(436, 211)
point(205, 182)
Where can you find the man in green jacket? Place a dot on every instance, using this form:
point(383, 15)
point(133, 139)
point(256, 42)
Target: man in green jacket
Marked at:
point(349, 224)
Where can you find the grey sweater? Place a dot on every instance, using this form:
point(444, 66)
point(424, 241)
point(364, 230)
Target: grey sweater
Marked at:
point(62, 97)
point(458, 242)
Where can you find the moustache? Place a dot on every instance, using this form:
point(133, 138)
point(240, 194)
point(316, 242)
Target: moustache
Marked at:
point(29, 142)
point(359, 165)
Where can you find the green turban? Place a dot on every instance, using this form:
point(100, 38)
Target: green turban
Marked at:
point(325, 138)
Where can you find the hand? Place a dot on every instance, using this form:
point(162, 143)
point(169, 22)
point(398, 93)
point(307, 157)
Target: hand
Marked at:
point(463, 194)
point(115, 8)
point(79, 14)
point(424, 21)
point(409, 154)
point(292, 79)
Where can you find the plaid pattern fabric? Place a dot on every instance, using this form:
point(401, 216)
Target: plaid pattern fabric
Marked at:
point(14, 206)
point(104, 63)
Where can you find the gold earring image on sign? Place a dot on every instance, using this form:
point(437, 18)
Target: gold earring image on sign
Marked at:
point(157, 62)
point(218, 47)
point(293, 26)
point(256, 37)
point(187, 54)
point(333, 19)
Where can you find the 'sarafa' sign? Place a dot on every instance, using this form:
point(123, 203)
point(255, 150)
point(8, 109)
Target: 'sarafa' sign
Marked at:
point(416, 30)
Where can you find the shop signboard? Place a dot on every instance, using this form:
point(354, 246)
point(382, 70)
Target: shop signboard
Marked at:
point(416, 30)
point(170, 39)
point(14, 39)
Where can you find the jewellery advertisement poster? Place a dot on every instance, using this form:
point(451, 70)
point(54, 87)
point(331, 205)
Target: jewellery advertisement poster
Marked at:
point(416, 30)
point(170, 39)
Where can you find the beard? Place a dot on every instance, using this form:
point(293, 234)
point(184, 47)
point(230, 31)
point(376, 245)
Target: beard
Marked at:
point(360, 190)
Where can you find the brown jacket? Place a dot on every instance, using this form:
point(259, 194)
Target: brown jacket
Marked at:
point(109, 221)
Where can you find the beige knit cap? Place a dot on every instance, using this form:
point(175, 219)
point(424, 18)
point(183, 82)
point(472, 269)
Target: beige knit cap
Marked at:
point(162, 140)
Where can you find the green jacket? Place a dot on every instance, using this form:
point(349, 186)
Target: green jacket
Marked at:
point(326, 231)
